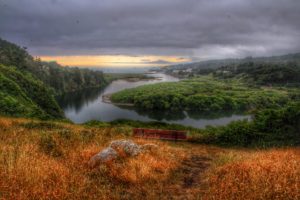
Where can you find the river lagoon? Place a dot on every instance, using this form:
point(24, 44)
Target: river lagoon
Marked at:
point(86, 105)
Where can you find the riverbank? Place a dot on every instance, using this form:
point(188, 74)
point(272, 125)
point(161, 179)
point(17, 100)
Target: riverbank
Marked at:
point(90, 105)
point(130, 77)
point(106, 98)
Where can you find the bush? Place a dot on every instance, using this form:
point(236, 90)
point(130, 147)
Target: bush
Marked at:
point(49, 146)
point(41, 125)
point(201, 94)
point(270, 127)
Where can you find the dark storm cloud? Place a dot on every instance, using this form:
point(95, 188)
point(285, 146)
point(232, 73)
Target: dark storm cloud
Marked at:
point(195, 28)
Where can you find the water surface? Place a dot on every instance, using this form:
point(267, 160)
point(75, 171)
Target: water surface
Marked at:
point(87, 105)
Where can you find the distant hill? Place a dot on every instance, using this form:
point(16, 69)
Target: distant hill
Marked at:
point(278, 70)
point(214, 64)
point(264, 73)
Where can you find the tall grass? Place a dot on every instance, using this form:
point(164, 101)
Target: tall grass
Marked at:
point(271, 174)
point(43, 163)
point(38, 161)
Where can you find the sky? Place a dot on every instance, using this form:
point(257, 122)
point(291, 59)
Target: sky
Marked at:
point(124, 33)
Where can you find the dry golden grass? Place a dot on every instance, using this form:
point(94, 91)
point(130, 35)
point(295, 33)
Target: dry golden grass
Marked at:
point(43, 160)
point(270, 174)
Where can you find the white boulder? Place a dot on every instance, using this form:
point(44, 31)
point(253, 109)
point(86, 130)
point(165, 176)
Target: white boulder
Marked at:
point(127, 146)
point(106, 155)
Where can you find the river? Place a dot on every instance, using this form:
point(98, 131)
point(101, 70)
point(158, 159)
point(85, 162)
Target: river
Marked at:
point(87, 105)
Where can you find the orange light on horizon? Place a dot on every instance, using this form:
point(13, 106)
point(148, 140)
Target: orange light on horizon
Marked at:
point(114, 61)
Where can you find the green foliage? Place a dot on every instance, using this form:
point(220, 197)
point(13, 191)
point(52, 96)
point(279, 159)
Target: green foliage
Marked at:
point(42, 125)
point(126, 76)
point(95, 123)
point(202, 94)
point(138, 124)
point(27, 85)
point(23, 95)
point(67, 79)
point(287, 74)
point(151, 124)
point(60, 79)
point(270, 127)
point(264, 70)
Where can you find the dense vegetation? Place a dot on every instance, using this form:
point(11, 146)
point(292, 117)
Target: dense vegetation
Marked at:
point(282, 71)
point(267, 90)
point(269, 127)
point(285, 74)
point(27, 85)
point(210, 66)
point(126, 76)
point(202, 94)
point(23, 95)
point(60, 79)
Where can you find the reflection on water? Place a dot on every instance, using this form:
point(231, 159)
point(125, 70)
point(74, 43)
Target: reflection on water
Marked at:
point(211, 115)
point(76, 100)
point(158, 115)
point(87, 105)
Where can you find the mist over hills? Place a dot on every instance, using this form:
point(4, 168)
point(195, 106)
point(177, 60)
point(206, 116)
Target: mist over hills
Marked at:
point(216, 63)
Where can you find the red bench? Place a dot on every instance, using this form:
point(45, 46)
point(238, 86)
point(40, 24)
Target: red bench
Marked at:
point(159, 134)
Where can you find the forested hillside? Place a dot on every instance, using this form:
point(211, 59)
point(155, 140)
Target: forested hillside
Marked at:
point(61, 79)
point(262, 71)
point(287, 74)
point(28, 85)
point(23, 95)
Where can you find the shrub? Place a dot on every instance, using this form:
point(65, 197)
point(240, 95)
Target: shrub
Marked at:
point(49, 146)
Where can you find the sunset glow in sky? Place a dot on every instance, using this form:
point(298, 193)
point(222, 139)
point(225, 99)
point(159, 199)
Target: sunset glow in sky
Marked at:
point(115, 60)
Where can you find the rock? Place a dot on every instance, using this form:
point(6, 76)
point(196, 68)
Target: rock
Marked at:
point(149, 147)
point(106, 155)
point(120, 144)
point(127, 146)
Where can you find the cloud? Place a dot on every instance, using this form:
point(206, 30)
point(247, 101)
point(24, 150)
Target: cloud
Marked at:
point(199, 29)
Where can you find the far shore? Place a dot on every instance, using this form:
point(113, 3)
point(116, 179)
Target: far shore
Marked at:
point(106, 98)
point(130, 77)
point(136, 79)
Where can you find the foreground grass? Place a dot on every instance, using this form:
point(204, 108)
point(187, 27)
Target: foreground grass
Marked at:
point(46, 160)
point(269, 174)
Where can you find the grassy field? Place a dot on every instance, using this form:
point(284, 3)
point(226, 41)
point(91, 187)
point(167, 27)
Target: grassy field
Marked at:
point(47, 160)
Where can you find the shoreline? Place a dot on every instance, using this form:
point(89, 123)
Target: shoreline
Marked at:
point(130, 77)
point(137, 79)
point(106, 98)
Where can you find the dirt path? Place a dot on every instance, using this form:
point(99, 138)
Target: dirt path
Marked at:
point(187, 180)
point(193, 168)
